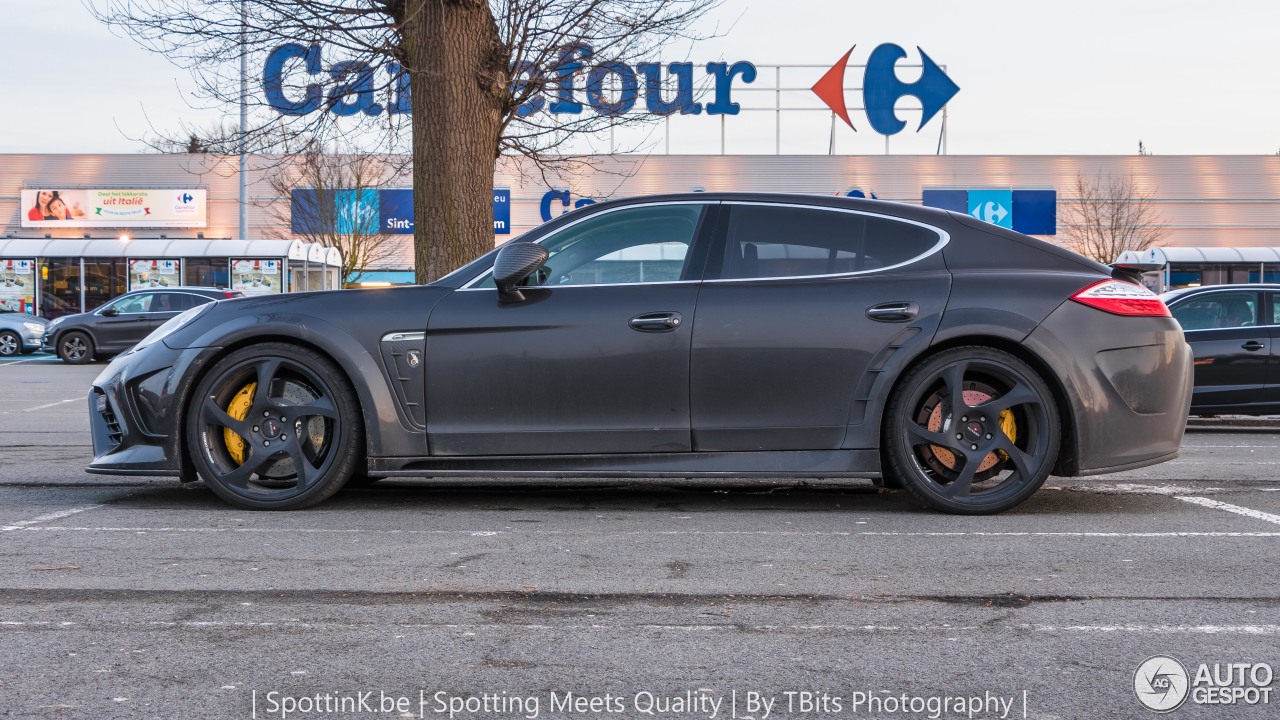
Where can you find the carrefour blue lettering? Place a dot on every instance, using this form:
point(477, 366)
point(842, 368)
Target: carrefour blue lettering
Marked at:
point(295, 80)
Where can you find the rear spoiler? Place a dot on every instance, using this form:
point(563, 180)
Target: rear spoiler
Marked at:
point(1132, 272)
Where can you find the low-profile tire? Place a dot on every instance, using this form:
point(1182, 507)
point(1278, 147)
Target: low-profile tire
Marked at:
point(75, 348)
point(274, 427)
point(972, 430)
point(10, 344)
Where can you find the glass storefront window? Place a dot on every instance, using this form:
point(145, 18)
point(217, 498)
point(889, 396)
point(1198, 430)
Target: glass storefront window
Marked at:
point(104, 278)
point(206, 272)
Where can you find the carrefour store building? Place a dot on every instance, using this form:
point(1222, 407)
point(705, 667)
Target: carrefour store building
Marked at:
point(76, 230)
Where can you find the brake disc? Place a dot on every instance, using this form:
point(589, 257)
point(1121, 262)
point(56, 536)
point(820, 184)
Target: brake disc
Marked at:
point(938, 419)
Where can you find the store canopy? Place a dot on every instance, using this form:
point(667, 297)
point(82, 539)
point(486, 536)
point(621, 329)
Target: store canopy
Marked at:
point(166, 248)
point(1206, 255)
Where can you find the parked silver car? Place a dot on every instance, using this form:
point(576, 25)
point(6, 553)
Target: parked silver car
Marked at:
point(19, 332)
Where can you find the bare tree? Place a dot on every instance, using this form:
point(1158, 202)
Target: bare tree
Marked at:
point(482, 74)
point(330, 203)
point(1108, 215)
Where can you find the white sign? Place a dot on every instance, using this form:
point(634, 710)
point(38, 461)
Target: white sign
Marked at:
point(256, 277)
point(145, 274)
point(114, 208)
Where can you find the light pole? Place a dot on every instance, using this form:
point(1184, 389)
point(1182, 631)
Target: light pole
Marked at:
point(244, 122)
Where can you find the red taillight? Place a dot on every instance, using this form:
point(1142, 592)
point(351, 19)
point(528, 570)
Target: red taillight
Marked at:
point(1122, 298)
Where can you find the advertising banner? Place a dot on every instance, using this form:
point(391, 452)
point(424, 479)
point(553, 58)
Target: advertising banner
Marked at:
point(154, 274)
point(114, 208)
point(257, 277)
point(373, 212)
point(18, 286)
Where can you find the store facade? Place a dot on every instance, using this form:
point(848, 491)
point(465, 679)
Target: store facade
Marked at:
point(72, 263)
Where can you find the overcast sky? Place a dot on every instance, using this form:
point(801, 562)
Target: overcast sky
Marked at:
point(1080, 77)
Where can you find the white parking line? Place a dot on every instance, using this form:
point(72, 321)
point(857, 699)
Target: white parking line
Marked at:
point(646, 533)
point(945, 628)
point(25, 524)
point(17, 362)
point(1217, 505)
point(53, 404)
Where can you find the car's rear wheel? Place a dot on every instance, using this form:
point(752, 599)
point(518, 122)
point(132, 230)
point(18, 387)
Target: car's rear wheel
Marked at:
point(10, 344)
point(971, 430)
point(274, 427)
point(75, 348)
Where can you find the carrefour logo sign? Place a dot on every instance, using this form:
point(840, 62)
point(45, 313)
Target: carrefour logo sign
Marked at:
point(297, 81)
point(881, 89)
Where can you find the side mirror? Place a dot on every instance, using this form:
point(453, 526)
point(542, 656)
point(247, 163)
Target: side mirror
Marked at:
point(515, 262)
point(110, 312)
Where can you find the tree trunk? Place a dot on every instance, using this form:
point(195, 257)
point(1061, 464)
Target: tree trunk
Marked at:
point(456, 75)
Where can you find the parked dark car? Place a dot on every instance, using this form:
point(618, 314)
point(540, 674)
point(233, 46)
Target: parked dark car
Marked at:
point(1232, 330)
point(120, 323)
point(19, 332)
point(699, 335)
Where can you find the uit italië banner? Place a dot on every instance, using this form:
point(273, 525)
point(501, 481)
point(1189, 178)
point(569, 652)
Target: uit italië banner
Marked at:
point(113, 208)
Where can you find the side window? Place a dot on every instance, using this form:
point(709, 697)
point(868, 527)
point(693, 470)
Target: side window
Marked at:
point(135, 304)
point(1275, 308)
point(779, 241)
point(179, 302)
point(1218, 310)
point(632, 245)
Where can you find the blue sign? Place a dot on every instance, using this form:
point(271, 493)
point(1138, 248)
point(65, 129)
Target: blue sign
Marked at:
point(501, 211)
point(1033, 212)
point(881, 89)
point(350, 88)
point(371, 212)
point(992, 206)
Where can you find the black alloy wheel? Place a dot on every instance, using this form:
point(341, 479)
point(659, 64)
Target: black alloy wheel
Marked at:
point(972, 430)
point(274, 427)
point(10, 344)
point(75, 348)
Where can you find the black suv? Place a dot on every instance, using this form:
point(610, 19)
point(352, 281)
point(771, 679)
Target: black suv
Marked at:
point(119, 324)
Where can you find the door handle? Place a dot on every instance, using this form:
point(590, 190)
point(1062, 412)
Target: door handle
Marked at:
point(656, 322)
point(1253, 346)
point(893, 311)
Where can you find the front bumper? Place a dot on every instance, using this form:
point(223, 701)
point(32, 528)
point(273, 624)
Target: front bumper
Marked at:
point(135, 411)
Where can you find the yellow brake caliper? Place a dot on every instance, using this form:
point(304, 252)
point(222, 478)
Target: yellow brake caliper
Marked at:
point(238, 408)
point(1009, 427)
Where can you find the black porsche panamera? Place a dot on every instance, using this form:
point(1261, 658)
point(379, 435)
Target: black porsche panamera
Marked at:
point(700, 335)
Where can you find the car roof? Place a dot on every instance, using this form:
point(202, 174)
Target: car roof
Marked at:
point(1173, 295)
point(183, 288)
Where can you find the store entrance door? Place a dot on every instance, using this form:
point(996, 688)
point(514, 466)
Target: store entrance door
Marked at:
point(60, 285)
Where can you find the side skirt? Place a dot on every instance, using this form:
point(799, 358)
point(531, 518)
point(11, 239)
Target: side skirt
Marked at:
point(789, 463)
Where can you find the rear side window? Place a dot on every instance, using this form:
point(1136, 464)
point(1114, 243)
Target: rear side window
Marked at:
point(1218, 310)
point(179, 302)
point(779, 241)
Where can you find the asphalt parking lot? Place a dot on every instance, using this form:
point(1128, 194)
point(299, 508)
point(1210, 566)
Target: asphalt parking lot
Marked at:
point(135, 597)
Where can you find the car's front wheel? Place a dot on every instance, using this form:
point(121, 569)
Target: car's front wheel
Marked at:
point(274, 427)
point(75, 348)
point(971, 430)
point(10, 344)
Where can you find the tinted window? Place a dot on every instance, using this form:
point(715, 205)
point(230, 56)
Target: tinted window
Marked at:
point(177, 302)
point(779, 241)
point(1275, 308)
point(134, 303)
point(1218, 310)
point(632, 245)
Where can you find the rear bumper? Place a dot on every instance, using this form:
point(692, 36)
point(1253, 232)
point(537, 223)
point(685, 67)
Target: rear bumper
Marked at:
point(1127, 382)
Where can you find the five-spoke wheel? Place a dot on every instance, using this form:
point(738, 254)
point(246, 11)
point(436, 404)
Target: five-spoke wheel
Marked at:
point(75, 348)
point(274, 426)
point(971, 430)
point(10, 344)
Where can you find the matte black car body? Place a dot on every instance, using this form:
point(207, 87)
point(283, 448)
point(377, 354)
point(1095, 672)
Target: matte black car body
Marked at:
point(703, 375)
point(1233, 331)
point(102, 334)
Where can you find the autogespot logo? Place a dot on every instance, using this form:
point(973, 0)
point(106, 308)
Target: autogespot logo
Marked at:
point(1161, 683)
